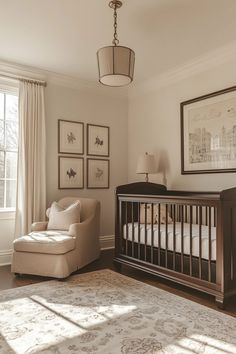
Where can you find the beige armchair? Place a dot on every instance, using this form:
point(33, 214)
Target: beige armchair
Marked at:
point(56, 253)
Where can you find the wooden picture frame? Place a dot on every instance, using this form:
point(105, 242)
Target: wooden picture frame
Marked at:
point(98, 173)
point(70, 172)
point(98, 140)
point(208, 133)
point(70, 137)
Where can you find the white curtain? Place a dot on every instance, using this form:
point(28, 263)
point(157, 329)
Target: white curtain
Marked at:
point(31, 176)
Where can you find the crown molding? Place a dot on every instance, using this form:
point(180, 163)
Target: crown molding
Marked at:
point(16, 70)
point(28, 72)
point(86, 86)
point(200, 64)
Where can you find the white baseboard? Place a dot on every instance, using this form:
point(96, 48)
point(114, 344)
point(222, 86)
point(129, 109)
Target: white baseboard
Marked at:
point(107, 242)
point(5, 257)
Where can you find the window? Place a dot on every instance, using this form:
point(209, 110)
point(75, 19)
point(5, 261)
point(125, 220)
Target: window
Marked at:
point(8, 148)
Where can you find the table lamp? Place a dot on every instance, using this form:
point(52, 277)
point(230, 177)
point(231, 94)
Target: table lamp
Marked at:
point(146, 165)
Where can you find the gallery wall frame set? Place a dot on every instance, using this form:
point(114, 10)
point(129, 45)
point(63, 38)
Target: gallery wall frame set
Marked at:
point(208, 133)
point(71, 168)
point(98, 173)
point(70, 137)
point(98, 140)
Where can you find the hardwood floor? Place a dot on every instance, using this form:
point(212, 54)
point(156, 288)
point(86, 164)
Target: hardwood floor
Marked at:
point(9, 281)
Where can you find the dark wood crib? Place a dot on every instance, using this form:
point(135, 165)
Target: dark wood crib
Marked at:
point(186, 237)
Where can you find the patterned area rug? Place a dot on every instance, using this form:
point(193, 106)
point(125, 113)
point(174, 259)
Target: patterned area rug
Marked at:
point(107, 313)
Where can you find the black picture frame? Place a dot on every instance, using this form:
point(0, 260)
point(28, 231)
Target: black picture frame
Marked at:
point(208, 133)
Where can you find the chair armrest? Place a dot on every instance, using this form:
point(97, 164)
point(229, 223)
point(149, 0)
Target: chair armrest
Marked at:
point(82, 227)
point(86, 233)
point(39, 226)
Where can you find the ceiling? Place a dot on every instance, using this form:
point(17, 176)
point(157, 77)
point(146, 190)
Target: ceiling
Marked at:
point(63, 35)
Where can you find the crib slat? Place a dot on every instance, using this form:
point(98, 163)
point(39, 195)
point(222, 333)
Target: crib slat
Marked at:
point(182, 238)
point(191, 241)
point(185, 214)
point(196, 214)
point(145, 242)
point(127, 228)
point(174, 234)
point(200, 244)
point(166, 231)
point(132, 229)
point(152, 233)
point(139, 254)
point(206, 215)
point(159, 234)
point(232, 256)
point(209, 245)
point(121, 229)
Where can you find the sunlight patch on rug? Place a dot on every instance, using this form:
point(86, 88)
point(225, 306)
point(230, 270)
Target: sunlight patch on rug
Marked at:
point(56, 321)
point(105, 312)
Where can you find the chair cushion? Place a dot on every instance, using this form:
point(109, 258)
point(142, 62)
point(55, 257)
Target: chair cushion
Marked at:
point(61, 218)
point(51, 242)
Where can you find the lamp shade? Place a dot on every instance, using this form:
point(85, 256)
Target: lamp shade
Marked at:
point(146, 164)
point(115, 65)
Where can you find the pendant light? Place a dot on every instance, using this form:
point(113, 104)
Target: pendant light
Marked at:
point(115, 63)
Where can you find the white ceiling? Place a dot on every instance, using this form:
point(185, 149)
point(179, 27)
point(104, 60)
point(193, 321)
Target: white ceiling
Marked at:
point(64, 35)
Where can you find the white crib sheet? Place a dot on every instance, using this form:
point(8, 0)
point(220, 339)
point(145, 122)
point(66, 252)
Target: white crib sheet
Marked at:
point(186, 238)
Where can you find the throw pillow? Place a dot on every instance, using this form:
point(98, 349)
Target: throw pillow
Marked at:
point(61, 218)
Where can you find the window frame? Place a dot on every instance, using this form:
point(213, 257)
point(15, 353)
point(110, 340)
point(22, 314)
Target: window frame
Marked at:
point(11, 89)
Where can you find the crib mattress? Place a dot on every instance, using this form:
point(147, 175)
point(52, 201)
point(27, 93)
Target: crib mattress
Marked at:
point(170, 235)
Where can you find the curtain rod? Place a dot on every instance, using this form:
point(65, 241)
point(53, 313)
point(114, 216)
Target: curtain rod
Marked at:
point(20, 78)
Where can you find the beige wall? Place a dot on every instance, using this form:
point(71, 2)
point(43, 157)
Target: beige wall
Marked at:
point(88, 107)
point(154, 126)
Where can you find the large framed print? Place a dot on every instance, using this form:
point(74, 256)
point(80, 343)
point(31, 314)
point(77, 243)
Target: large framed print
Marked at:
point(208, 133)
point(98, 173)
point(70, 172)
point(70, 137)
point(98, 140)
